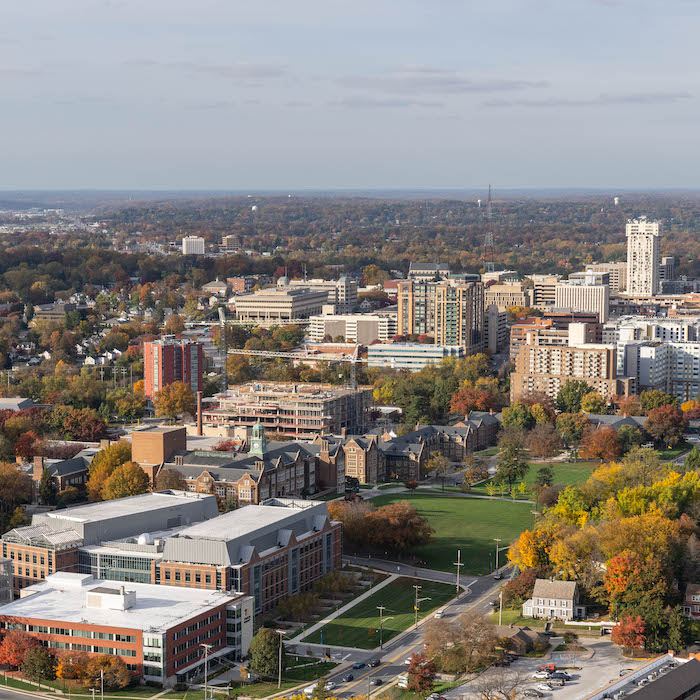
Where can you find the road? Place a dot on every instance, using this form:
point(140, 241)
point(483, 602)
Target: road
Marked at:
point(481, 592)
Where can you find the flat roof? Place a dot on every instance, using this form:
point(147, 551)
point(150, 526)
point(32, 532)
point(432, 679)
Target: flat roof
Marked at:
point(247, 520)
point(155, 608)
point(160, 429)
point(120, 507)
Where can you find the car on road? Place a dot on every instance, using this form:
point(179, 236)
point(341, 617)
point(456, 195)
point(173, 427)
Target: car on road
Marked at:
point(374, 663)
point(439, 614)
point(407, 662)
point(377, 681)
point(497, 576)
point(359, 664)
point(348, 677)
point(330, 685)
point(542, 675)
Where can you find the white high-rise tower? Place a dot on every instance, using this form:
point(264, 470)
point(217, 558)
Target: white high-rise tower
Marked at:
point(643, 257)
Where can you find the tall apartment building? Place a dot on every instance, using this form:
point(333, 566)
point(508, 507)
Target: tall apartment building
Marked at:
point(544, 367)
point(506, 295)
point(584, 294)
point(293, 409)
point(231, 243)
point(616, 271)
point(193, 245)
point(643, 257)
point(451, 313)
point(667, 268)
point(544, 289)
point(342, 293)
point(354, 328)
point(171, 360)
point(495, 329)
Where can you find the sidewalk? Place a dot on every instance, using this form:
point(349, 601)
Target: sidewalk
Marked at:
point(340, 611)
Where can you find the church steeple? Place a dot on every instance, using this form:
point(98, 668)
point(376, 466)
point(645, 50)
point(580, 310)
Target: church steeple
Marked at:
point(258, 441)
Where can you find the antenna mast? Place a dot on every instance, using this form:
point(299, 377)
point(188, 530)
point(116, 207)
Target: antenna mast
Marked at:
point(488, 238)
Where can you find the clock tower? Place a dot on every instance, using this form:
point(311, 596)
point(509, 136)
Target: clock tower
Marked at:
point(258, 441)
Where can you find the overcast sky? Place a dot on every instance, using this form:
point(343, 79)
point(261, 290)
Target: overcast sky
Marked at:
point(349, 93)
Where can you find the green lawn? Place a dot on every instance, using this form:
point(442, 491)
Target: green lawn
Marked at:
point(667, 455)
point(359, 626)
point(392, 485)
point(488, 452)
point(468, 524)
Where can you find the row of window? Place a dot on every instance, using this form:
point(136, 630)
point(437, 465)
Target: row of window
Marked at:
point(188, 576)
point(66, 632)
point(204, 622)
point(195, 641)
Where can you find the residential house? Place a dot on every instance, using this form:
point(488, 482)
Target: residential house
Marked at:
point(554, 600)
point(691, 601)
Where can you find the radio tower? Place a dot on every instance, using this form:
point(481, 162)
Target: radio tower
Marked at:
point(488, 238)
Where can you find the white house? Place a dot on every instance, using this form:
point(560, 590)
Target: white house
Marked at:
point(554, 600)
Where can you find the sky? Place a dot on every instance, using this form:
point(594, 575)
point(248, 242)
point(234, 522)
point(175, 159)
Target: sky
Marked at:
point(324, 94)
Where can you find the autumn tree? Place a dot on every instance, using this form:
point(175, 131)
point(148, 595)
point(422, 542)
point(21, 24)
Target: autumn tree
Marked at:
point(24, 444)
point(593, 403)
point(238, 369)
point(103, 465)
point(127, 479)
point(600, 444)
point(15, 489)
point(174, 325)
point(517, 415)
point(174, 400)
point(629, 633)
point(571, 426)
point(468, 399)
point(421, 673)
point(628, 436)
point(571, 395)
point(15, 644)
point(543, 441)
point(441, 465)
point(666, 424)
point(170, 479)
point(630, 406)
point(110, 670)
point(653, 398)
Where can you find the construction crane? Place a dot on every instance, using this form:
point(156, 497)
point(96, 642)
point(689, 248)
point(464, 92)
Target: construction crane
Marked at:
point(488, 238)
point(354, 360)
point(222, 339)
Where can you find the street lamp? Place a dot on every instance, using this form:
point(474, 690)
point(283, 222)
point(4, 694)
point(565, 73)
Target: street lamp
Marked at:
point(459, 565)
point(381, 609)
point(279, 662)
point(418, 600)
point(206, 648)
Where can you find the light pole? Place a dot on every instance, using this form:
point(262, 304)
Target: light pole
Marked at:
point(206, 648)
point(500, 606)
point(279, 661)
point(102, 684)
point(459, 565)
point(381, 609)
point(418, 600)
point(497, 540)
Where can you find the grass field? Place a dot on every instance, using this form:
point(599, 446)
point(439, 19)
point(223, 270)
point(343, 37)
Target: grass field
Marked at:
point(359, 626)
point(667, 455)
point(468, 524)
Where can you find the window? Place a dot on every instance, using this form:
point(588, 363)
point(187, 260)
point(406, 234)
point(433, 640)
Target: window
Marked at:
point(198, 577)
point(187, 575)
point(177, 575)
point(167, 575)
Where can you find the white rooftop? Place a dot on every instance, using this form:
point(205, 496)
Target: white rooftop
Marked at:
point(62, 598)
point(95, 512)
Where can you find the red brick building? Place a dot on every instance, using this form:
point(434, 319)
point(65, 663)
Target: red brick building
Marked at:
point(171, 360)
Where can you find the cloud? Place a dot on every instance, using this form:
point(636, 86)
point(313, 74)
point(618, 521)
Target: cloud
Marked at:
point(378, 103)
point(424, 79)
point(7, 71)
point(642, 98)
point(237, 70)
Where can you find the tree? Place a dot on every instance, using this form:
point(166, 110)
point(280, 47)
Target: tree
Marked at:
point(511, 468)
point(630, 406)
point(170, 479)
point(84, 424)
point(545, 476)
point(543, 441)
point(678, 632)
point(175, 399)
point(571, 394)
point(174, 325)
point(15, 645)
point(594, 403)
point(468, 399)
point(499, 684)
point(653, 398)
point(238, 369)
point(15, 489)
point(47, 488)
point(38, 665)
point(441, 465)
point(601, 444)
point(264, 653)
point(517, 415)
point(666, 424)
point(421, 673)
point(628, 436)
point(571, 427)
point(126, 480)
point(103, 465)
point(24, 445)
point(692, 461)
point(110, 669)
point(629, 632)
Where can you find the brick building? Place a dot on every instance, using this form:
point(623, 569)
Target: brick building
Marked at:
point(157, 632)
point(171, 360)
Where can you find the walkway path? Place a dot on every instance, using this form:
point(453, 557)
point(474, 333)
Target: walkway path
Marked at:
point(340, 611)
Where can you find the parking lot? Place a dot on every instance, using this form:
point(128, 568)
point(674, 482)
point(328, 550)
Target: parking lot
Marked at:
point(587, 675)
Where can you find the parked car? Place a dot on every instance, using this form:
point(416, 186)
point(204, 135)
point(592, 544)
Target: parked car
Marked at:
point(544, 687)
point(532, 693)
point(542, 675)
point(563, 675)
point(548, 667)
point(359, 664)
point(556, 681)
point(348, 677)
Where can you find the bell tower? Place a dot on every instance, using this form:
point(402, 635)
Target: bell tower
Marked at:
point(258, 441)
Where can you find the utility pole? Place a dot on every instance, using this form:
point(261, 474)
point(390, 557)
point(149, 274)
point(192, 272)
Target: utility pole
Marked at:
point(418, 600)
point(206, 648)
point(102, 684)
point(381, 609)
point(500, 606)
point(279, 662)
point(497, 540)
point(459, 565)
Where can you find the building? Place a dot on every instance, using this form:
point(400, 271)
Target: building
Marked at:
point(542, 366)
point(643, 258)
point(667, 269)
point(15, 404)
point(269, 551)
point(63, 472)
point(156, 631)
point(353, 328)
point(216, 288)
point(193, 245)
point(505, 296)
point(410, 356)
point(500, 276)
point(231, 243)
point(342, 293)
point(284, 304)
point(52, 312)
point(616, 271)
point(171, 360)
point(293, 409)
point(52, 541)
point(545, 329)
point(691, 601)
point(363, 460)
point(451, 313)
point(554, 600)
point(244, 283)
point(544, 290)
point(495, 329)
point(428, 272)
point(6, 581)
point(584, 294)
point(266, 470)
